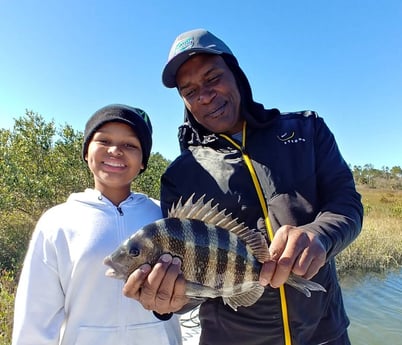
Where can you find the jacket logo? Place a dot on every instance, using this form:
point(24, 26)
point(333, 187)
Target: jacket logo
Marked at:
point(290, 138)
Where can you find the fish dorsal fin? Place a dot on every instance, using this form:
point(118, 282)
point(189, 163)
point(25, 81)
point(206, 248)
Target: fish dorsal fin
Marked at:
point(204, 211)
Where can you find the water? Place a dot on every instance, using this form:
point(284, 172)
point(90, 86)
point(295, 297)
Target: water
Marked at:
point(374, 305)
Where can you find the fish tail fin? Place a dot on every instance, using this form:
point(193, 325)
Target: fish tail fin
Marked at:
point(303, 285)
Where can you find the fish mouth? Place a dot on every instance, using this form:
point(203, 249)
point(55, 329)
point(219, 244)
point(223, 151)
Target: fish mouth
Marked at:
point(116, 270)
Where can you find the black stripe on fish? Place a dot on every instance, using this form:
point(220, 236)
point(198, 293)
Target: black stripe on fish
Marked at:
point(177, 239)
point(201, 250)
point(222, 258)
point(240, 262)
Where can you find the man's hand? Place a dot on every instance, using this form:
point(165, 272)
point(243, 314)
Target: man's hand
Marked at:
point(161, 288)
point(292, 250)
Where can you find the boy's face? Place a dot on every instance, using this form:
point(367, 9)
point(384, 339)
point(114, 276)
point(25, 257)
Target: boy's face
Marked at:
point(115, 158)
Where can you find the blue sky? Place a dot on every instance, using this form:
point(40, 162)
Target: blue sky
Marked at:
point(343, 59)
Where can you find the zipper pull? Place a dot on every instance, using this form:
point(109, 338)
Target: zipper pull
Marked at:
point(120, 211)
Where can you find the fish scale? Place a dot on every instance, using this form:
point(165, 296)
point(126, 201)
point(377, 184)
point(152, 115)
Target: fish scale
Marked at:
point(221, 257)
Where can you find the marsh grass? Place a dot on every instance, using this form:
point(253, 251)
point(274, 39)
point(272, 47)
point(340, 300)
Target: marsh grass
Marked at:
point(379, 246)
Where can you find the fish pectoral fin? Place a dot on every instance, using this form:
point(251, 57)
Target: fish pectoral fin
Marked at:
point(245, 299)
point(303, 285)
point(195, 290)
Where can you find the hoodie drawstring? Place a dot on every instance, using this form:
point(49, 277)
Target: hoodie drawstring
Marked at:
point(257, 186)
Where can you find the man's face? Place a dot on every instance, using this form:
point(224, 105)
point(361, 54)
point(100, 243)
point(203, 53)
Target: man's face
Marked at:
point(210, 93)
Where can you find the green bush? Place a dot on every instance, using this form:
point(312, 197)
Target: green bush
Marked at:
point(15, 232)
point(7, 292)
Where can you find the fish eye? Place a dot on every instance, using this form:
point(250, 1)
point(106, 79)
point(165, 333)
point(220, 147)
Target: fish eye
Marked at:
point(134, 251)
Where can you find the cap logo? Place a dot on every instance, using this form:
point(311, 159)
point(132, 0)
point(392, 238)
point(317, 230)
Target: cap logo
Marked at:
point(184, 45)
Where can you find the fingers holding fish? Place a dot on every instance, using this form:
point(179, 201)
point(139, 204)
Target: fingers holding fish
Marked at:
point(267, 271)
point(166, 285)
point(132, 287)
point(163, 289)
point(157, 288)
point(297, 251)
point(179, 298)
point(311, 259)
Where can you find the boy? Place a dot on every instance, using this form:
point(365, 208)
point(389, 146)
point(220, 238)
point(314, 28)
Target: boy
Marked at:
point(63, 295)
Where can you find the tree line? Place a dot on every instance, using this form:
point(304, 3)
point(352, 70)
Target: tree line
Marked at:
point(372, 177)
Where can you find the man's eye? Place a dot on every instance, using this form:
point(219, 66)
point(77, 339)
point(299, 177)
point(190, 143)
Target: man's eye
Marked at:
point(189, 93)
point(213, 79)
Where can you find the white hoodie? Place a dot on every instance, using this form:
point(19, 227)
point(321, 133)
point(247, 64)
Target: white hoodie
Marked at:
point(64, 297)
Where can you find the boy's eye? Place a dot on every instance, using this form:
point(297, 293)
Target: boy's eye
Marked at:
point(131, 146)
point(102, 141)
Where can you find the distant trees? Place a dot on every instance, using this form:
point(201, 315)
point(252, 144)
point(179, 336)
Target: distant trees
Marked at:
point(372, 177)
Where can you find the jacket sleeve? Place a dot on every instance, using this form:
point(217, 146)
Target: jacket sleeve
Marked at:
point(339, 220)
point(39, 302)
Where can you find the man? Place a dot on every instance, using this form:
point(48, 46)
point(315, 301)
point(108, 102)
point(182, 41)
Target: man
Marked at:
point(256, 163)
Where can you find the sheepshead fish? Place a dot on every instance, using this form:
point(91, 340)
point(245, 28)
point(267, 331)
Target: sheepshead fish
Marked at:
point(220, 256)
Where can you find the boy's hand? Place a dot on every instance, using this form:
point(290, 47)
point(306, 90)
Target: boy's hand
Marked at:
point(161, 288)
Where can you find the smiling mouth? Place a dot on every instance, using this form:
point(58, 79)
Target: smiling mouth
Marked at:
point(114, 164)
point(216, 112)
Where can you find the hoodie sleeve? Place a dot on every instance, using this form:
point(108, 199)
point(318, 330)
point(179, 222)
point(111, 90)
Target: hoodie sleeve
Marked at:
point(39, 302)
point(339, 220)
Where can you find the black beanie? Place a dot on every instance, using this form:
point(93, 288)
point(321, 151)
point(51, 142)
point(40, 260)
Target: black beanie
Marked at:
point(136, 118)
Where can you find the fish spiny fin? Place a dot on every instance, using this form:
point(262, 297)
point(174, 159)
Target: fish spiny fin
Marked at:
point(190, 209)
point(186, 208)
point(218, 218)
point(210, 214)
point(198, 210)
point(174, 210)
point(195, 208)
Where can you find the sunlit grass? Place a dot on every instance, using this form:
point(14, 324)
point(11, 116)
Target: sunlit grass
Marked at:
point(379, 246)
